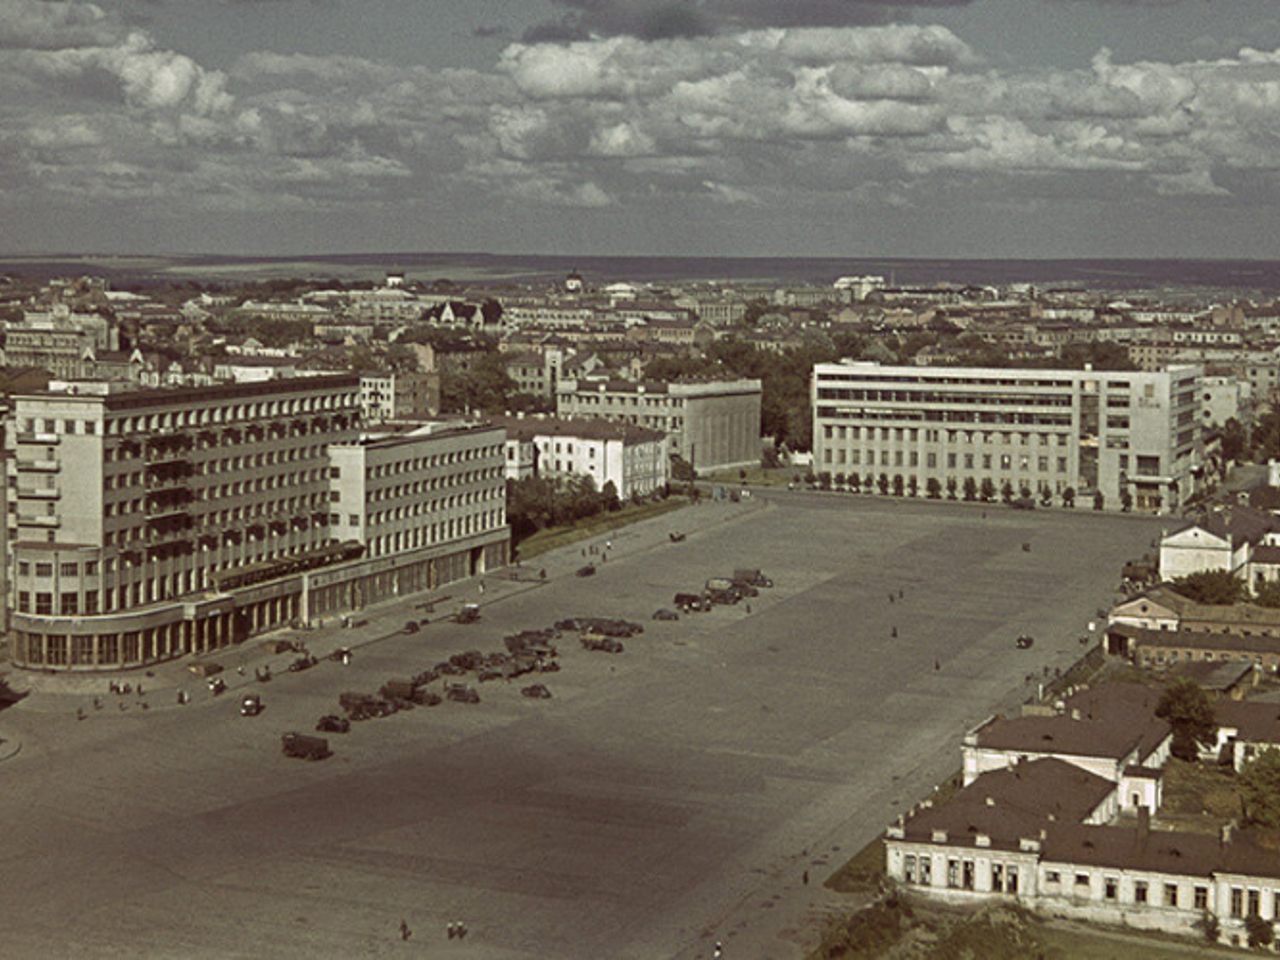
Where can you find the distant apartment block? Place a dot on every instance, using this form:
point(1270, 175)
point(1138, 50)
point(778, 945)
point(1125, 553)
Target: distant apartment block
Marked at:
point(714, 425)
point(148, 524)
point(1092, 431)
point(399, 396)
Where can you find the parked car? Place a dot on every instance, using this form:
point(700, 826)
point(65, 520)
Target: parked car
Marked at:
point(304, 747)
point(250, 705)
point(341, 655)
point(469, 613)
point(676, 536)
point(217, 685)
point(665, 614)
point(536, 691)
point(332, 723)
point(588, 571)
point(1025, 642)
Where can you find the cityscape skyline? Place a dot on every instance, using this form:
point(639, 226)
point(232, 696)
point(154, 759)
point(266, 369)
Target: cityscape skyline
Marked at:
point(984, 129)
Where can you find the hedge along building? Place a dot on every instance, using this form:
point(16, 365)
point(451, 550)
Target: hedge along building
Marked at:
point(143, 525)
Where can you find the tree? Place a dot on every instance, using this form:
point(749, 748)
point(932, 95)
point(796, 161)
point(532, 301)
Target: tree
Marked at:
point(988, 490)
point(1006, 491)
point(1259, 782)
point(933, 488)
point(1210, 926)
point(1187, 709)
point(951, 488)
point(1046, 495)
point(1267, 594)
point(824, 479)
point(883, 484)
point(1260, 931)
point(855, 482)
point(897, 484)
point(839, 480)
point(1235, 441)
point(1217, 587)
point(609, 496)
point(1126, 500)
point(913, 486)
point(970, 489)
point(1069, 497)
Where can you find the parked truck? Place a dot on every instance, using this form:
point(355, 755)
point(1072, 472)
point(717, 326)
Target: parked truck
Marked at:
point(751, 577)
point(305, 747)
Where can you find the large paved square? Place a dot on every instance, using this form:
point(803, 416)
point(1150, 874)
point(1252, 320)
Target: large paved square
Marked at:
point(664, 797)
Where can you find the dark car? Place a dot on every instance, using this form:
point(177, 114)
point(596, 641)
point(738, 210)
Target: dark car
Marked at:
point(536, 692)
point(332, 723)
point(1024, 642)
point(588, 571)
point(1023, 503)
point(665, 614)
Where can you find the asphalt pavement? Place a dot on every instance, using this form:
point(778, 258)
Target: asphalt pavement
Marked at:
point(664, 798)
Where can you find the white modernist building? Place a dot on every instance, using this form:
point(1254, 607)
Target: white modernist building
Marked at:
point(1039, 430)
point(634, 459)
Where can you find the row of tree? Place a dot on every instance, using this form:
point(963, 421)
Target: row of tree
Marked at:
point(1222, 588)
point(970, 490)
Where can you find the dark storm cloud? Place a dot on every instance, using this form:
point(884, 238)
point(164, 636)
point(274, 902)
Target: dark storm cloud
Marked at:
point(668, 19)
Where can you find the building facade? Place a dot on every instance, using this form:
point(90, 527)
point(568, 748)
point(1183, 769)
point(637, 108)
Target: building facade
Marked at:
point(634, 459)
point(714, 425)
point(1039, 430)
point(144, 525)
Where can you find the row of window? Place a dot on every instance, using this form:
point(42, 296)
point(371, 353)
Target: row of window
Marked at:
point(961, 873)
point(432, 483)
point(900, 458)
point(216, 465)
point(428, 507)
point(418, 464)
point(67, 568)
point(930, 435)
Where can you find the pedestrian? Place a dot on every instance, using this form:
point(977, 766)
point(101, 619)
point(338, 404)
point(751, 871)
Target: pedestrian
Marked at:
point(805, 878)
point(893, 631)
point(462, 930)
point(748, 609)
point(405, 933)
point(452, 930)
point(900, 593)
point(719, 951)
point(482, 588)
point(891, 598)
point(608, 544)
point(937, 665)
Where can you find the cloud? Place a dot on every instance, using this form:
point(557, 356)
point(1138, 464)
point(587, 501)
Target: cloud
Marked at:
point(55, 24)
point(670, 19)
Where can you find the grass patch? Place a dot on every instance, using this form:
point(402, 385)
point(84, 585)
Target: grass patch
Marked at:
point(601, 523)
point(864, 871)
point(1199, 797)
point(899, 927)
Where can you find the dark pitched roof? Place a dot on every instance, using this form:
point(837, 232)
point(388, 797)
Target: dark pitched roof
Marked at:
point(1254, 721)
point(1059, 735)
point(1158, 851)
point(1197, 639)
point(1008, 805)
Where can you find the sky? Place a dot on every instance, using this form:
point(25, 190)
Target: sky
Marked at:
point(834, 128)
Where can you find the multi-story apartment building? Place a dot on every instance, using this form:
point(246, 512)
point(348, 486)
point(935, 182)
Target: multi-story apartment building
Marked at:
point(143, 525)
point(57, 341)
point(399, 396)
point(423, 485)
point(714, 425)
point(1092, 431)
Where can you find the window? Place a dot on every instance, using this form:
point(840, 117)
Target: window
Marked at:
point(44, 569)
point(909, 868)
point(91, 602)
point(926, 870)
point(24, 601)
point(1140, 891)
point(1011, 885)
point(967, 875)
point(44, 604)
point(953, 872)
point(1170, 894)
point(1052, 876)
point(1110, 888)
point(69, 569)
point(1237, 902)
point(69, 605)
point(24, 568)
point(354, 519)
point(1255, 903)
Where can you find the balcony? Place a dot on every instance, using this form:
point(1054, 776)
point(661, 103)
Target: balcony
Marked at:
point(36, 466)
point(38, 493)
point(40, 520)
point(44, 439)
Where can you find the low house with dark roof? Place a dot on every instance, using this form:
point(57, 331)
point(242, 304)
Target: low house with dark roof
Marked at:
point(1110, 731)
point(1161, 628)
point(1038, 833)
point(1246, 728)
